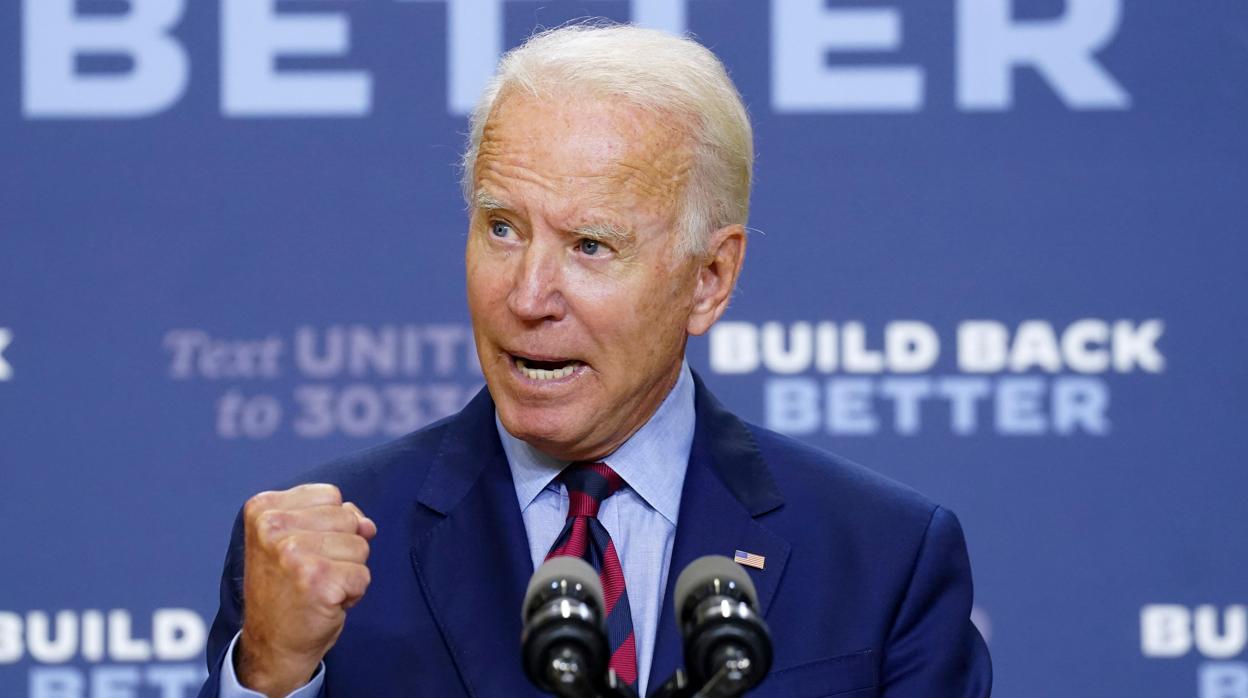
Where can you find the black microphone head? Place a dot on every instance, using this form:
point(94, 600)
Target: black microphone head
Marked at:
point(716, 574)
point(724, 637)
point(564, 643)
point(563, 576)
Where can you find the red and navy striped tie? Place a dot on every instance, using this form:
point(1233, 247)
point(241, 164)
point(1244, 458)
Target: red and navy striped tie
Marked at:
point(583, 536)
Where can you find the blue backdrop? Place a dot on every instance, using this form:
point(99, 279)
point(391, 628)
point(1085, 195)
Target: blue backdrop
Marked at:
point(997, 253)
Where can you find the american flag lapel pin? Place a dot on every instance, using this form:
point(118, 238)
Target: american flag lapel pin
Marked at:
point(750, 559)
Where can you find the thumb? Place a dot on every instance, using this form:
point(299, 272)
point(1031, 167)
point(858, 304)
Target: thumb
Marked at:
point(364, 525)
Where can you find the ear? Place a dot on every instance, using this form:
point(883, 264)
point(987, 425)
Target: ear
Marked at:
point(717, 276)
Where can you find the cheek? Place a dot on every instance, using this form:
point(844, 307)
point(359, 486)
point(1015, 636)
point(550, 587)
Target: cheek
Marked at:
point(484, 279)
point(651, 322)
point(669, 312)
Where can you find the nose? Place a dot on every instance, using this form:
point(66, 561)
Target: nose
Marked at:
point(537, 289)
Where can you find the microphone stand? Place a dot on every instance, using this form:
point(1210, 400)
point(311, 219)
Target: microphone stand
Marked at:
point(675, 687)
point(729, 682)
point(732, 679)
point(566, 673)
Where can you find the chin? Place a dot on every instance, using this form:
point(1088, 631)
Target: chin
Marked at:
point(543, 428)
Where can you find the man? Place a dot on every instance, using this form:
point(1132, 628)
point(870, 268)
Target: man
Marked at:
point(608, 177)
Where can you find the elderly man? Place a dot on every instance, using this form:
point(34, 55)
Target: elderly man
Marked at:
point(608, 177)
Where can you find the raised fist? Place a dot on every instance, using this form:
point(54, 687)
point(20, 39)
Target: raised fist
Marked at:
point(304, 567)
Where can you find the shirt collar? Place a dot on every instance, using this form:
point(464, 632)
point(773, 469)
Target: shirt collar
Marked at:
point(653, 460)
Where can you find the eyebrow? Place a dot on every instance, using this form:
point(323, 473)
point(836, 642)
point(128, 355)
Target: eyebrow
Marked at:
point(614, 235)
point(487, 202)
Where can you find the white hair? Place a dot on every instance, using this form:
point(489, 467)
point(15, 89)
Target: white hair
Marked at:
point(671, 75)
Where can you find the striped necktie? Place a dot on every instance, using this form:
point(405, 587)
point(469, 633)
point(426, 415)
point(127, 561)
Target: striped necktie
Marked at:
point(583, 536)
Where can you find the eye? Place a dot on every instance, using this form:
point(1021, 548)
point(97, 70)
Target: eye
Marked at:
point(499, 229)
point(589, 247)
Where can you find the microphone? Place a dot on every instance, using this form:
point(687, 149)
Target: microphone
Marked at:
point(564, 642)
point(727, 644)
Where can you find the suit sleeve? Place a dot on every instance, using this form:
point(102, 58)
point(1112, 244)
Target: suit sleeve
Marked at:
point(229, 619)
point(934, 651)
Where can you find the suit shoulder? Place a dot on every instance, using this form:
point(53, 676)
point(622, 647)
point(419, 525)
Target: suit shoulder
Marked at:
point(370, 474)
point(808, 475)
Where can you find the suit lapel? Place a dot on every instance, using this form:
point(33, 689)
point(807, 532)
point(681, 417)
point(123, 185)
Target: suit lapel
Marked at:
point(727, 487)
point(474, 565)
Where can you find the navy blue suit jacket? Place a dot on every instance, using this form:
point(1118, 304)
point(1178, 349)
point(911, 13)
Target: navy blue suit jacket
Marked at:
point(867, 586)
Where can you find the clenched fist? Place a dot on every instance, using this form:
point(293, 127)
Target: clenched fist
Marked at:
point(304, 567)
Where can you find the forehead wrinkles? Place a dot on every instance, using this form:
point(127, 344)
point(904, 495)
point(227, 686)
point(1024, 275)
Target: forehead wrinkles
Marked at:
point(620, 151)
point(657, 168)
point(504, 158)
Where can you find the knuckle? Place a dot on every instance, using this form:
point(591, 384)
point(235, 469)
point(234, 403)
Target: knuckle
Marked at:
point(272, 522)
point(329, 594)
point(290, 558)
point(258, 503)
point(289, 546)
point(309, 572)
point(327, 490)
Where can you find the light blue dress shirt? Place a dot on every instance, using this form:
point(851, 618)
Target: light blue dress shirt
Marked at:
point(641, 518)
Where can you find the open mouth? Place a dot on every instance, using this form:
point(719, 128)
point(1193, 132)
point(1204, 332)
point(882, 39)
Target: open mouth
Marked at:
point(534, 369)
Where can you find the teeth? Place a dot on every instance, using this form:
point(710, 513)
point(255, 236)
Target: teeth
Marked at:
point(542, 374)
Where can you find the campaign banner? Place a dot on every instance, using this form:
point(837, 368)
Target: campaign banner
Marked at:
point(996, 252)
